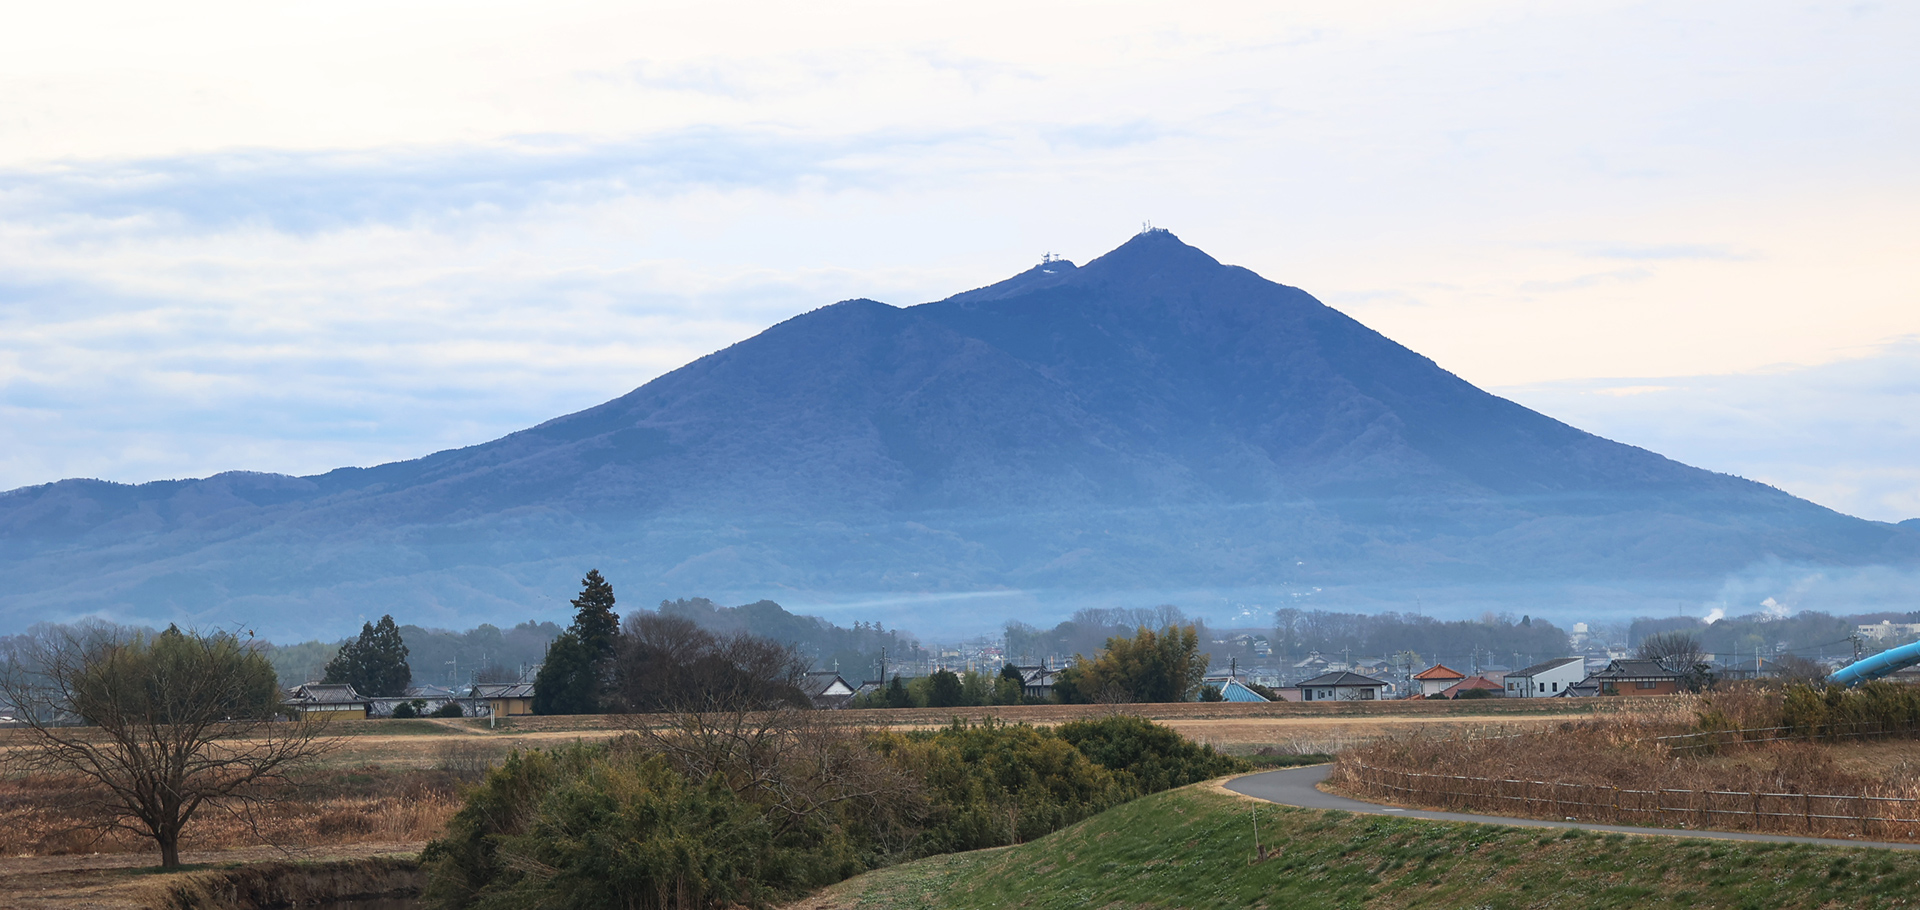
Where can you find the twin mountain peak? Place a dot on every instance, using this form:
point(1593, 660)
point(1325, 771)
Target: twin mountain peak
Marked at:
point(1152, 425)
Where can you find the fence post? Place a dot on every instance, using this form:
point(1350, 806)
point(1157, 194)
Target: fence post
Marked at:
point(1806, 805)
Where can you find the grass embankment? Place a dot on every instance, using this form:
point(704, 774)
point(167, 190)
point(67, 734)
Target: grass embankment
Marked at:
point(1193, 847)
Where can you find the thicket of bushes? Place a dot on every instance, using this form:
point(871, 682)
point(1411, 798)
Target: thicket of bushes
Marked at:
point(671, 822)
point(1835, 711)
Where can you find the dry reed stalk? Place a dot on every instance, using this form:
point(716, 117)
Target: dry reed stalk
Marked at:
point(1615, 768)
point(37, 817)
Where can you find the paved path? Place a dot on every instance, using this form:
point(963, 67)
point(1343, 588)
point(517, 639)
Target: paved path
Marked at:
point(1298, 787)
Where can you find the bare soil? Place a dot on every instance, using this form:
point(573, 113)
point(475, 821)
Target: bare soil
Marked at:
point(128, 881)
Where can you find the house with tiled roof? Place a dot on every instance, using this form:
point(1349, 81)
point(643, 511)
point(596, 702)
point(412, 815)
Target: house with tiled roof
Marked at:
point(1639, 677)
point(1474, 684)
point(1435, 679)
point(826, 689)
point(1344, 686)
point(337, 700)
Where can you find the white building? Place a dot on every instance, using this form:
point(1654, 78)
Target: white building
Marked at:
point(1887, 628)
point(1344, 686)
point(1545, 680)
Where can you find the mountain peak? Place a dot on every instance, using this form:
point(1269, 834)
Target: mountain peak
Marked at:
point(1152, 254)
point(1154, 251)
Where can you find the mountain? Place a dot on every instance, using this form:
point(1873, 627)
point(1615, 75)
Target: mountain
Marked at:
point(1153, 425)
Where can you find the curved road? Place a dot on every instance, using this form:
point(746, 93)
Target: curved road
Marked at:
point(1299, 787)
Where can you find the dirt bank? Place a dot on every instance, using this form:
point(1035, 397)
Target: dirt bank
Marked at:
point(251, 879)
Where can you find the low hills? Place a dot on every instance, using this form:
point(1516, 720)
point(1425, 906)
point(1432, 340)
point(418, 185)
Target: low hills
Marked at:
point(1153, 425)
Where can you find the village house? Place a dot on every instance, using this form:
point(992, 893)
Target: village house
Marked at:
point(430, 698)
point(826, 689)
point(1037, 682)
point(505, 699)
point(1474, 684)
point(337, 700)
point(1232, 689)
point(1545, 680)
point(1436, 679)
point(1639, 677)
point(1344, 686)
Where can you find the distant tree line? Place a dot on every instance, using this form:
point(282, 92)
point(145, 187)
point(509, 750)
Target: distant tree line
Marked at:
point(1501, 638)
point(485, 653)
point(1760, 633)
point(659, 662)
point(855, 651)
point(1088, 630)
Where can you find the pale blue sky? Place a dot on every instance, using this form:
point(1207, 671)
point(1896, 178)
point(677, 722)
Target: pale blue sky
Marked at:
point(293, 237)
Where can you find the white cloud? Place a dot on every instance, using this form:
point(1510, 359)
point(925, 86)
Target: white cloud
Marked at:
point(289, 237)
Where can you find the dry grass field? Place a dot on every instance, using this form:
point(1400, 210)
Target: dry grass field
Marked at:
point(388, 786)
point(389, 782)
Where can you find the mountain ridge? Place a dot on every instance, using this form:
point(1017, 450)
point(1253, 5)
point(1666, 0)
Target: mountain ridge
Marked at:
point(1153, 419)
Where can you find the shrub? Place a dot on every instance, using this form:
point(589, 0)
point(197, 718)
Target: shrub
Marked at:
point(661, 819)
point(593, 826)
point(994, 784)
point(450, 709)
point(1156, 757)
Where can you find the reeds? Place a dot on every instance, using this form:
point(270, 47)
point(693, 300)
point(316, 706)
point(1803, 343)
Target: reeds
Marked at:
point(1646, 767)
point(45, 815)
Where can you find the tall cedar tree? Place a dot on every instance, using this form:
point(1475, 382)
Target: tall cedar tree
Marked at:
point(575, 677)
point(375, 664)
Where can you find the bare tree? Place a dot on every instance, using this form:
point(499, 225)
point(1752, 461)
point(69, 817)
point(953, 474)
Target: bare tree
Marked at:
point(734, 713)
point(1679, 652)
point(167, 725)
point(668, 664)
point(1795, 669)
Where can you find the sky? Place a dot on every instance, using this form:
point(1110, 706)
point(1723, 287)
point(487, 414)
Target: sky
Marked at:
point(291, 237)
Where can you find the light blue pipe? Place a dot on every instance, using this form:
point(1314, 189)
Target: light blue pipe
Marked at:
point(1870, 668)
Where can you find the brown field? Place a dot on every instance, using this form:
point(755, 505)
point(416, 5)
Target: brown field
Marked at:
point(388, 782)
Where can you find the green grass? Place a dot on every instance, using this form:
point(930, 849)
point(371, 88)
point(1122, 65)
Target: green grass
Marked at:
point(1192, 847)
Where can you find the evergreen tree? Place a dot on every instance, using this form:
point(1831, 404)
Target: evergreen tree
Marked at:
point(1009, 686)
point(375, 664)
point(945, 690)
point(897, 696)
point(575, 676)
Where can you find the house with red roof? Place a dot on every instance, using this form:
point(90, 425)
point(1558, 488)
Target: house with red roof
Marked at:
point(1474, 684)
point(1436, 679)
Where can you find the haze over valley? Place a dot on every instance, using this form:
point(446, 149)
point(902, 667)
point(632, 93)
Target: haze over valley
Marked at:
point(1154, 426)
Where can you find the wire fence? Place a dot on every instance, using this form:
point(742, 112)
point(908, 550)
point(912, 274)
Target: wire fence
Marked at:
point(1715, 740)
point(1820, 815)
